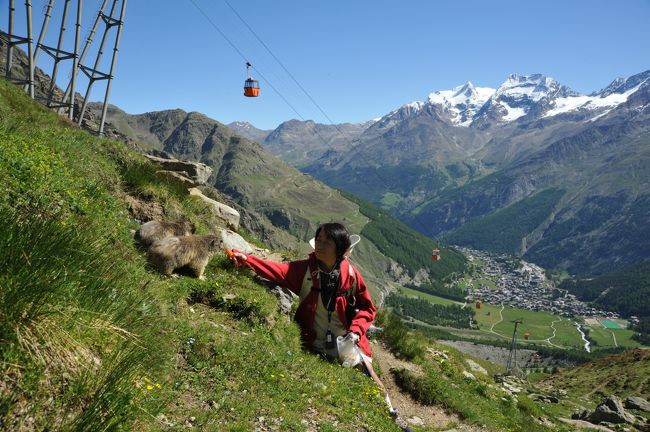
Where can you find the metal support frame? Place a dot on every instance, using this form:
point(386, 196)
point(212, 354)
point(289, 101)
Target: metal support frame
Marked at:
point(59, 54)
point(511, 366)
point(93, 73)
point(89, 40)
point(12, 40)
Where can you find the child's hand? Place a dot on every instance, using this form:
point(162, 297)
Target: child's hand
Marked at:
point(236, 257)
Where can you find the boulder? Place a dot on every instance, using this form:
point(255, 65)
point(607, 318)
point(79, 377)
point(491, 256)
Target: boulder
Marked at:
point(233, 240)
point(637, 403)
point(196, 173)
point(475, 367)
point(227, 214)
point(611, 411)
point(468, 375)
point(284, 297)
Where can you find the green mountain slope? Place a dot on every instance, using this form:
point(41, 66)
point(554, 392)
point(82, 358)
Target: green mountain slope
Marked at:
point(283, 198)
point(91, 339)
point(626, 291)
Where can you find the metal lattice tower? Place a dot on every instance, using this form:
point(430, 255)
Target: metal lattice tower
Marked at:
point(511, 366)
point(114, 19)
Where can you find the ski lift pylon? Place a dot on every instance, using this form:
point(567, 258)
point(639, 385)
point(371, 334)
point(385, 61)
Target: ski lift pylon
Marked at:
point(251, 86)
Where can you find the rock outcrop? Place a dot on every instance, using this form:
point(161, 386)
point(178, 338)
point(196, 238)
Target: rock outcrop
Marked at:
point(227, 214)
point(191, 173)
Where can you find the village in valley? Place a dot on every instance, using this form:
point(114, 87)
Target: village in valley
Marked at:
point(522, 285)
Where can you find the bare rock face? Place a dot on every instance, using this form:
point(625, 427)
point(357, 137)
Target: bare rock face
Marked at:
point(637, 403)
point(229, 215)
point(195, 173)
point(611, 411)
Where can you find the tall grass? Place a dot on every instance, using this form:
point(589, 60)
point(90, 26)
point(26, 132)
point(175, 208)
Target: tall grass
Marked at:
point(74, 320)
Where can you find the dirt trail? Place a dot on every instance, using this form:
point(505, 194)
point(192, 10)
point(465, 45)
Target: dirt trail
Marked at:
point(409, 409)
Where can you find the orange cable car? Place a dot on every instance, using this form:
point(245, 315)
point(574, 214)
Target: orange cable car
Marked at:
point(526, 335)
point(251, 86)
point(435, 254)
point(478, 304)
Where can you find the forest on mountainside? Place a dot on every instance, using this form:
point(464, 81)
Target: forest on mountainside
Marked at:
point(626, 292)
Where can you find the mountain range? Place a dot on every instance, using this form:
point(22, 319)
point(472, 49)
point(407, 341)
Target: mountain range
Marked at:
point(532, 168)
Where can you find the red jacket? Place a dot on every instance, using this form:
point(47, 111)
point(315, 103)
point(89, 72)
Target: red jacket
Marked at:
point(292, 275)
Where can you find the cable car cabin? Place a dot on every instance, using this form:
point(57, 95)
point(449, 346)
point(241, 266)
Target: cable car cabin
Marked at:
point(478, 304)
point(526, 335)
point(251, 88)
point(435, 254)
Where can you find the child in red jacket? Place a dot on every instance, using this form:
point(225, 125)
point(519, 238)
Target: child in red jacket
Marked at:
point(333, 298)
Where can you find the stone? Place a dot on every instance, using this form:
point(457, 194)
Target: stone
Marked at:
point(637, 403)
point(285, 298)
point(475, 367)
point(228, 215)
point(415, 421)
point(233, 240)
point(186, 181)
point(469, 375)
point(196, 172)
point(611, 411)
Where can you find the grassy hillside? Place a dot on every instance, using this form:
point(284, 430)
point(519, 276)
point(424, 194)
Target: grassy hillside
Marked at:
point(624, 374)
point(93, 340)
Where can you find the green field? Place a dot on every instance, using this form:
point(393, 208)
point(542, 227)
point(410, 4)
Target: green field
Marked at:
point(604, 338)
point(538, 325)
point(430, 298)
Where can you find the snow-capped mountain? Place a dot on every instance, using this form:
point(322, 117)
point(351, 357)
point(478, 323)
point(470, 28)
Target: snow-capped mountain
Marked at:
point(463, 102)
point(518, 96)
point(600, 103)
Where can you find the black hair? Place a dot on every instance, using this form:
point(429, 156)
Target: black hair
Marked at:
point(338, 233)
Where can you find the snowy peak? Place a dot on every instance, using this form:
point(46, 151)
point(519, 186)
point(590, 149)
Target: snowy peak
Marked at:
point(532, 88)
point(622, 85)
point(535, 96)
point(461, 103)
point(520, 95)
point(404, 112)
point(600, 103)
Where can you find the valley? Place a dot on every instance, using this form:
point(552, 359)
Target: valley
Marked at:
point(502, 289)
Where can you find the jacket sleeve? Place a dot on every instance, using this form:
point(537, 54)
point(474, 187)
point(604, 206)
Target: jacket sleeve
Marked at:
point(289, 274)
point(366, 315)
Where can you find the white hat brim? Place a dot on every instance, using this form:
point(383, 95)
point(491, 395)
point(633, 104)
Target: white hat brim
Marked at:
point(354, 240)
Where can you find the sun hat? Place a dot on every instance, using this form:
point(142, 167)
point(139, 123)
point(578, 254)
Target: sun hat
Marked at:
point(354, 239)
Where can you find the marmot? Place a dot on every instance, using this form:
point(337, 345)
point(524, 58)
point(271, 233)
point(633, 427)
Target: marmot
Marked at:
point(193, 251)
point(152, 231)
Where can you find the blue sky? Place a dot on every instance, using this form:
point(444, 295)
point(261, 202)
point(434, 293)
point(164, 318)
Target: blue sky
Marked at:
point(359, 59)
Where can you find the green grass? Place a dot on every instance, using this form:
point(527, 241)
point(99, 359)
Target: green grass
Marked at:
point(91, 339)
point(425, 296)
point(442, 383)
point(604, 338)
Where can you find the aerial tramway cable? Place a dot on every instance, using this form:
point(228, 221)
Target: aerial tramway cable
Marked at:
point(435, 252)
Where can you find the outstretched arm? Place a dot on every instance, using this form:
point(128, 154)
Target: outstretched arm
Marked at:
point(288, 274)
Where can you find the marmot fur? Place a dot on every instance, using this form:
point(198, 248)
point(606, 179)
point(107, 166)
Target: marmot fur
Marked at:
point(193, 251)
point(152, 231)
